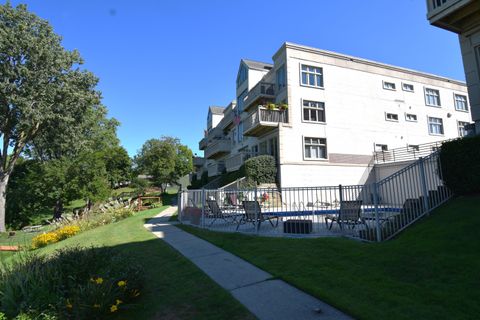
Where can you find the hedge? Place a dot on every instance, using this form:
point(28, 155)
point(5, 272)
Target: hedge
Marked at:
point(460, 163)
point(261, 169)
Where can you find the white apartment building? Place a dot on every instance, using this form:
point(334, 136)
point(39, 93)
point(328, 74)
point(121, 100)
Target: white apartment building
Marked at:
point(463, 18)
point(332, 111)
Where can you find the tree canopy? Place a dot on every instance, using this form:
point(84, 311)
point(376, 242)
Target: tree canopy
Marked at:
point(43, 91)
point(166, 160)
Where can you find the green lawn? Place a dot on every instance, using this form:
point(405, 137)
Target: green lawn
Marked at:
point(175, 288)
point(431, 271)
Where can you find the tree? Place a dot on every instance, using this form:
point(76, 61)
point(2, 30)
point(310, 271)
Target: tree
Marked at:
point(43, 91)
point(165, 159)
point(118, 165)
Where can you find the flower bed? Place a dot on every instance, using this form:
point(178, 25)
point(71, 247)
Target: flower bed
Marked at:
point(74, 283)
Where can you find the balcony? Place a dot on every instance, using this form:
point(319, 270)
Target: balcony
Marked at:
point(202, 144)
point(198, 161)
point(454, 15)
point(263, 91)
point(217, 148)
point(214, 169)
point(237, 160)
point(263, 120)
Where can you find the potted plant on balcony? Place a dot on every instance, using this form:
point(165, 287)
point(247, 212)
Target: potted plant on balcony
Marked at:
point(283, 107)
point(271, 106)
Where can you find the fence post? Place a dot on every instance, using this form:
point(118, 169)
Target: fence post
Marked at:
point(256, 208)
point(423, 181)
point(377, 220)
point(180, 204)
point(203, 208)
point(340, 191)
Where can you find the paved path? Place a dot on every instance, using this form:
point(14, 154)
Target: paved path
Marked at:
point(265, 297)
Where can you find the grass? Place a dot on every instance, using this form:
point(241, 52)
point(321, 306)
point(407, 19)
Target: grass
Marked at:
point(431, 271)
point(175, 288)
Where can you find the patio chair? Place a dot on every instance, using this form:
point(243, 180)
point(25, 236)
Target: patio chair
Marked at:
point(349, 215)
point(215, 212)
point(253, 214)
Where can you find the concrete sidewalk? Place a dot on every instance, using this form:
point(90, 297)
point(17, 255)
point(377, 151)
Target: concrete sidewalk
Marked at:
point(265, 297)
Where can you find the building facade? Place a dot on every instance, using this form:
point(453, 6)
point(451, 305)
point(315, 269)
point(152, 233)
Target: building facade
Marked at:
point(463, 18)
point(322, 115)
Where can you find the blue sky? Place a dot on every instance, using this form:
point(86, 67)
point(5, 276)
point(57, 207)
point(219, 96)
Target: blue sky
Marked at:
point(162, 63)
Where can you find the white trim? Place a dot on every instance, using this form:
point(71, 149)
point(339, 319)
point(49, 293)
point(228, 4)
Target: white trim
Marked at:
point(314, 159)
point(391, 89)
point(425, 97)
point(455, 101)
point(309, 121)
point(392, 120)
point(413, 114)
point(307, 85)
point(409, 84)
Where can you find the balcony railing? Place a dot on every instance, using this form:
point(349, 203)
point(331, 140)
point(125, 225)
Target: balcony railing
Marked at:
point(198, 161)
point(217, 148)
point(263, 120)
point(454, 15)
point(263, 90)
point(202, 144)
point(215, 169)
point(409, 153)
point(235, 162)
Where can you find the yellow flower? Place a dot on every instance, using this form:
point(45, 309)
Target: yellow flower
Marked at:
point(135, 293)
point(69, 305)
point(113, 308)
point(96, 305)
point(122, 283)
point(99, 280)
point(119, 301)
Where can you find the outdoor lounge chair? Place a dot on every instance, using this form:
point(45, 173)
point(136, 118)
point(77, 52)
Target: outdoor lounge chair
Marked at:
point(348, 215)
point(216, 212)
point(253, 214)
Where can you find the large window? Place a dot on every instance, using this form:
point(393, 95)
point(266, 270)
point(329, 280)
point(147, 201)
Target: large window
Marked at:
point(432, 97)
point(460, 102)
point(462, 132)
point(312, 76)
point(242, 75)
point(281, 79)
point(313, 111)
point(315, 148)
point(435, 125)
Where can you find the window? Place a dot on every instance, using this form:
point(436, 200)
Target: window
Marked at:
point(435, 125)
point(312, 76)
point(391, 116)
point(242, 75)
point(240, 132)
point(438, 3)
point(313, 111)
point(462, 131)
point(410, 117)
point(240, 100)
point(432, 97)
point(407, 87)
point(460, 102)
point(281, 80)
point(381, 147)
point(389, 85)
point(315, 148)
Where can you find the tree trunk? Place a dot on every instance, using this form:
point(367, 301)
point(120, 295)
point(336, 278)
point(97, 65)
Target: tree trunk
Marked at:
point(58, 210)
point(3, 202)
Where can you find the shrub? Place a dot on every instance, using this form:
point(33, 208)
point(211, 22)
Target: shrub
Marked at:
point(460, 163)
point(73, 283)
point(261, 169)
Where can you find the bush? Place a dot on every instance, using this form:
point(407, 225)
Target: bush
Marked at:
point(67, 232)
point(261, 169)
point(74, 283)
point(460, 162)
point(44, 239)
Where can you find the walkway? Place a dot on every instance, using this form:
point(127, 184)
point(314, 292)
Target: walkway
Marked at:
point(256, 289)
